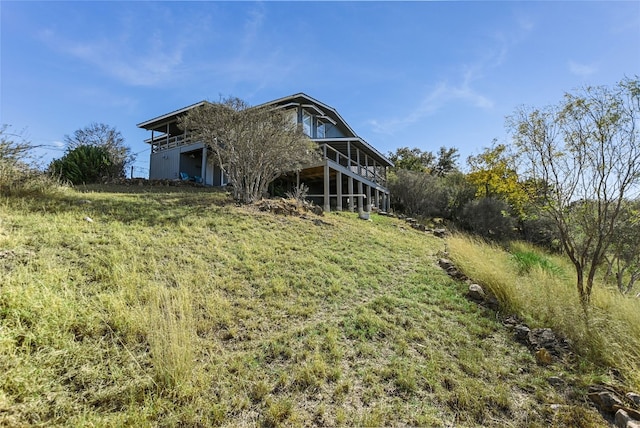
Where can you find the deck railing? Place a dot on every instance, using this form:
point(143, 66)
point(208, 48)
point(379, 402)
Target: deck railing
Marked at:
point(168, 142)
point(375, 173)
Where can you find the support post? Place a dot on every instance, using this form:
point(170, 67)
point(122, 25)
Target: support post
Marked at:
point(366, 166)
point(376, 201)
point(203, 174)
point(339, 190)
point(350, 190)
point(327, 183)
point(375, 176)
point(368, 198)
point(360, 207)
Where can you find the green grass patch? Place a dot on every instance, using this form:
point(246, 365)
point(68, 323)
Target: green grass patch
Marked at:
point(528, 259)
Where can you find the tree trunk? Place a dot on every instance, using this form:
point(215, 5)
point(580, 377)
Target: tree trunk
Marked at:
point(584, 296)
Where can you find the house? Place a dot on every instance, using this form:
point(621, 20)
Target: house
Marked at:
point(351, 175)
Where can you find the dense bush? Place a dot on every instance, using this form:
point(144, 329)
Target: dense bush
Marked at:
point(423, 195)
point(82, 164)
point(108, 138)
point(411, 192)
point(488, 218)
point(541, 232)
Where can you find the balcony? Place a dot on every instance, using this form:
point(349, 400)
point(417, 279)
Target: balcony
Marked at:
point(374, 173)
point(166, 142)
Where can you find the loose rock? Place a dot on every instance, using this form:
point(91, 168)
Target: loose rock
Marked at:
point(624, 420)
point(603, 398)
point(633, 397)
point(440, 233)
point(476, 293)
point(556, 381)
point(521, 332)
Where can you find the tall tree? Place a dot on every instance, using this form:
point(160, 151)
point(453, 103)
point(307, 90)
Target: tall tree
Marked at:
point(253, 145)
point(412, 159)
point(416, 160)
point(107, 138)
point(587, 152)
point(446, 162)
point(494, 173)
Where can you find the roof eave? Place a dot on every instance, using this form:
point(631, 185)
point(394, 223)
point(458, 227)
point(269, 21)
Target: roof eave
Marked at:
point(157, 120)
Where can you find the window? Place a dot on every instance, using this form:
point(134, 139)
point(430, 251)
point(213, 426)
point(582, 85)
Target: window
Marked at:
point(306, 123)
point(320, 131)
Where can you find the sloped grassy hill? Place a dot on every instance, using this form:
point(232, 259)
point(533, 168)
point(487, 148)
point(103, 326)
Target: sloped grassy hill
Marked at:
point(180, 308)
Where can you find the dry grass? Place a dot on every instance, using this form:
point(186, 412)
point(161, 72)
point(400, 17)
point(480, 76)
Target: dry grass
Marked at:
point(174, 307)
point(545, 296)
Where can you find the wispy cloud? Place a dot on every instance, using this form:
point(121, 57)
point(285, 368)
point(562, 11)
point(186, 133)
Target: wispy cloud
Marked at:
point(582, 70)
point(116, 57)
point(441, 95)
point(258, 59)
point(211, 46)
point(464, 89)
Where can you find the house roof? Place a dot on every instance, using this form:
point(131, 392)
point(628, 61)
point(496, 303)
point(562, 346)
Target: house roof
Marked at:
point(168, 122)
point(156, 124)
point(305, 100)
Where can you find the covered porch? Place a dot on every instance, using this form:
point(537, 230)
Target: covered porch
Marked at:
point(336, 188)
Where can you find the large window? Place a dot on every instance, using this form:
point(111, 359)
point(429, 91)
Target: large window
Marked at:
point(306, 123)
point(320, 130)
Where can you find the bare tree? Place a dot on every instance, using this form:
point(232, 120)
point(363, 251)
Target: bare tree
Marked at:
point(14, 148)
point(587, 152)
point(252, 145)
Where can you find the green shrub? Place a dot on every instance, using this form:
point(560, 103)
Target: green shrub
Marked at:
point(83, 164)
point(488, 218)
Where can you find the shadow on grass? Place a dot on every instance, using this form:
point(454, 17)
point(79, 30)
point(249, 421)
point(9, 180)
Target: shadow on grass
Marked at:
point(147, 206)
point(145, 189)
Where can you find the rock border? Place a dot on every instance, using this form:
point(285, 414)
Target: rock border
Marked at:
point(623, 409)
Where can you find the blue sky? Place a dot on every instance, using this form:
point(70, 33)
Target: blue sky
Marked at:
point(416, 74)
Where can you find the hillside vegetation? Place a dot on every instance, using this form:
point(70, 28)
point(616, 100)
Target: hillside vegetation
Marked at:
point(539, 288)
point(178, 308)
